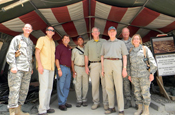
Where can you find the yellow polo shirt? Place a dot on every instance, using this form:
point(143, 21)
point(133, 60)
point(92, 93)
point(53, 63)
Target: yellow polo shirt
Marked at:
point(47, 52)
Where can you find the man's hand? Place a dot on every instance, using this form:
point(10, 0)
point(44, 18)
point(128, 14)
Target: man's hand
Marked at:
point(14, 70)
point(129, 77)
point(151, 77)
point(74, 74)
point(87, 70)
point(60, 73)
point(40, 69)
point(32, 72)
point(124, 73)
point(102, 73)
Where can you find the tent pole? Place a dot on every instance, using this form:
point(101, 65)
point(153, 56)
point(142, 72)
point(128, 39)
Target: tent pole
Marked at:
point(42, 17)
point(90, 19)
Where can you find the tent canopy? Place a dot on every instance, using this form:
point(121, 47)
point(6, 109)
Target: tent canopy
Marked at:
point(76, 17)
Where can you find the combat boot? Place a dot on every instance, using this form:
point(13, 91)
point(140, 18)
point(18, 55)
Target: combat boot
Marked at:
point(12, 111)
point(19, 111)
point(127, 104)
point(140, 109)
point(146, 110)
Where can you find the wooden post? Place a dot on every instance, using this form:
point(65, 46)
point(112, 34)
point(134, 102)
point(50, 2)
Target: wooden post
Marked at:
point(161, 81)
point(161, 86)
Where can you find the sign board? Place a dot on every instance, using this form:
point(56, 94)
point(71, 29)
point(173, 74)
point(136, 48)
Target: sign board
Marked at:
point(166, 64)
point(164, 52)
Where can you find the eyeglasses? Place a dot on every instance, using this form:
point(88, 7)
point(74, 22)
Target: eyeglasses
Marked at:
point(50, 30)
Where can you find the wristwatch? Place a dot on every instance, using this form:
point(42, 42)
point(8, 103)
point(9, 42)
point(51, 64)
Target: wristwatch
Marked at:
point(124, 66)
point(59, 68)
point(151, 73)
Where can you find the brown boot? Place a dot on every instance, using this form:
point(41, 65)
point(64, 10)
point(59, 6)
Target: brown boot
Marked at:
point(19, 111)
point(12, 111)
point(146, 110)
point(140, 109)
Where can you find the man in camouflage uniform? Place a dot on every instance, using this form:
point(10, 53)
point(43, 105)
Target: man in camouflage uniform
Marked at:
point(20, 70)
point(126, 83)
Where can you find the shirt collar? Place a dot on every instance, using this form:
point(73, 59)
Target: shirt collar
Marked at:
point(137, 48)
point(97, 41)
point(48, 38)
point(127, 41)
point(65, 46)
point(80, 47)
point(23, 37)
point(116, 40)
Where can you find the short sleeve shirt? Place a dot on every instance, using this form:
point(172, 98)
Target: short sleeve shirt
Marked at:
point(63, 54)
point(93, 49)
point(114, 49)
point(47, 52)
point(78, 56)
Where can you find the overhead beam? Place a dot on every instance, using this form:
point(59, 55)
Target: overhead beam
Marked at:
point(42, 17)
point(137, 15)
point(4, 1)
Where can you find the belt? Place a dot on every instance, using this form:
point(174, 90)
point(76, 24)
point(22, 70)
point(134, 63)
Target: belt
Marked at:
point(112, 58)
point(80, 65)
point(66, 66)
point(95, 61)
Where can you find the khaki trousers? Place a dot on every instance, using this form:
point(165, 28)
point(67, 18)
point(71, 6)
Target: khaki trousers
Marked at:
point(81, 85)
point(113, 77)
point(95, 74)
point(45, 89)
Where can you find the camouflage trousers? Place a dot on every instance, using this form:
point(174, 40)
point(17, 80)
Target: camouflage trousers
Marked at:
point(142, 90)
point(81, 85)
point(18, 87)
point(127, 88)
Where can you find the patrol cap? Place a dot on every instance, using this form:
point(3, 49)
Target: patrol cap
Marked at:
point(112, 28)
point(80, 37)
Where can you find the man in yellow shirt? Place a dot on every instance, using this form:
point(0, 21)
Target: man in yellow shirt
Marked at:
point(45, 56)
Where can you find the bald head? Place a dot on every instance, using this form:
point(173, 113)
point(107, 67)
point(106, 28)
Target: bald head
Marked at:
point(125, 33)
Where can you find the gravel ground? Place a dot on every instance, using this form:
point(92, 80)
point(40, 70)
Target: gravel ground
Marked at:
point(160, 99)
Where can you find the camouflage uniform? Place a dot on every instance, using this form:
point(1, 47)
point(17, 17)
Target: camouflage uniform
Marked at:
point(140, 75)
point(19, 82)
point(126, 82)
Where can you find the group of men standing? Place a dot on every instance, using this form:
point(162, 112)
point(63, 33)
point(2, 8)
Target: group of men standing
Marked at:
point(108, 63)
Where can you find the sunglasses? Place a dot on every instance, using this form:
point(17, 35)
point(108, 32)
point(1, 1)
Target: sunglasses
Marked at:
point(50, 30)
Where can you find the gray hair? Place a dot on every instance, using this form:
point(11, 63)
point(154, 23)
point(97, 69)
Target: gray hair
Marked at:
point(95, 28)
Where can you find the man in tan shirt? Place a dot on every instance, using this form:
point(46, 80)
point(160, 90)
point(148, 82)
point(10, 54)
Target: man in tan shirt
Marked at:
point(45, 56)
point(79, 74)
point(112, 53)
point(92, 53)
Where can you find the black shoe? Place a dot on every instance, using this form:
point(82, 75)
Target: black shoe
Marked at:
point(78, 104)
point(121, 112)
point(68, 105)
point(84, 104)
point(110, 110)
point(43, 114)
point(62, 107)
point(50, 111)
